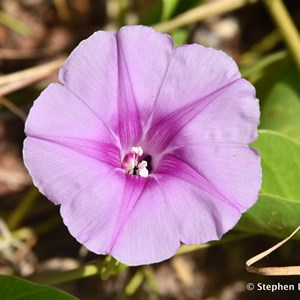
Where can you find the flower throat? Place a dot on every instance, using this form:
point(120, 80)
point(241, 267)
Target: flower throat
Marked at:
point(135, 164)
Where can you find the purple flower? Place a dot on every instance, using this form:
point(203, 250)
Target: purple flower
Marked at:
point(145, 145)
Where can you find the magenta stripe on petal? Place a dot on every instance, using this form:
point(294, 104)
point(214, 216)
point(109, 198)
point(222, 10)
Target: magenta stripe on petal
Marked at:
point(130, 129)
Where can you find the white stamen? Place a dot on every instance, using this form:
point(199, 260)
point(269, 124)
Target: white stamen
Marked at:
point(142, 169)
point(132, 165)
point(137, 150)
point(143, 164)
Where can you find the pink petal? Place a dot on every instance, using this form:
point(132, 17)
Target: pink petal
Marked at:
point(211, 104)
point(231, 118)
point(115, 84)
point(150, 233)
point(93, 216)
point(146, 54)
point(194, 72)
point(60, 172)
point(230, 115)
point(58, 115)
point(208, 188)
point(91, 72)
point(230, 173)
point(199, 215)
point(143, 57)
point(96, 72)
point(96, 199)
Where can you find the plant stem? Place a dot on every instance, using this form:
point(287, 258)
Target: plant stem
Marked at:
point(63, 10)
point(13, 108)
point(15, 81)
point(230, 237)
point(288, 30)
point(61, 277)
point(22, 209)
point(15, 24)
point(150, 277)
point(134, 283)
point(15, 54)
point(262, 63)
point(123, 7)
point(99, 267)
point(265, 45)
point(48, 224)
point(202, 11)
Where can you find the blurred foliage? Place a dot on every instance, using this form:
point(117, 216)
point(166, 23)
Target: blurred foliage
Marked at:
point(163, 10)
point(184, 5)
point(280, 110)
point(172, 8)
point(168, 9)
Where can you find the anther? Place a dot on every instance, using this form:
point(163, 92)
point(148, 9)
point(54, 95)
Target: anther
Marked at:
point(142, 169)
point(137, 150)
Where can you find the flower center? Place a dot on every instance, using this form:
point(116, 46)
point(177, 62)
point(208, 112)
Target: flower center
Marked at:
point(135, 165)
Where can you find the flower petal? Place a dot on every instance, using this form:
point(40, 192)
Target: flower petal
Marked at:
point(150, 234)
point(231, 173)
point(198, 215)
point(194, 73)
point(231, 118)
point(92, 195)
point(93, 216)
point(187, 108)
point(229, 115)
point(208, 189)
point(91, 72)
point(128, 61)
point(96, 200)
point(212, 102)
point(60, 172)
point(147, 54)
point(59, 116)
point(235, 170)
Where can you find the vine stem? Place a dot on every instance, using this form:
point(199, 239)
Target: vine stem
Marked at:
point(61, 277)
point(15, 81)
point(202, 11)
point(15, 24)
point(17, 216)
point(13, 108)
point(289, 32)
point(100, 266)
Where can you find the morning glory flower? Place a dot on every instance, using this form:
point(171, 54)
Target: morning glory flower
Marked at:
point(145, 146)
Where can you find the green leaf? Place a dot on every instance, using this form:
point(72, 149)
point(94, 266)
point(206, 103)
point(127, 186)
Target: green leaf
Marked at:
point(14, 288)
point(267, 71)
point(271, 215)
point(280, 109)
point(277, 212)
point(280, 160)
point(169, 7)
point(257, 69)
